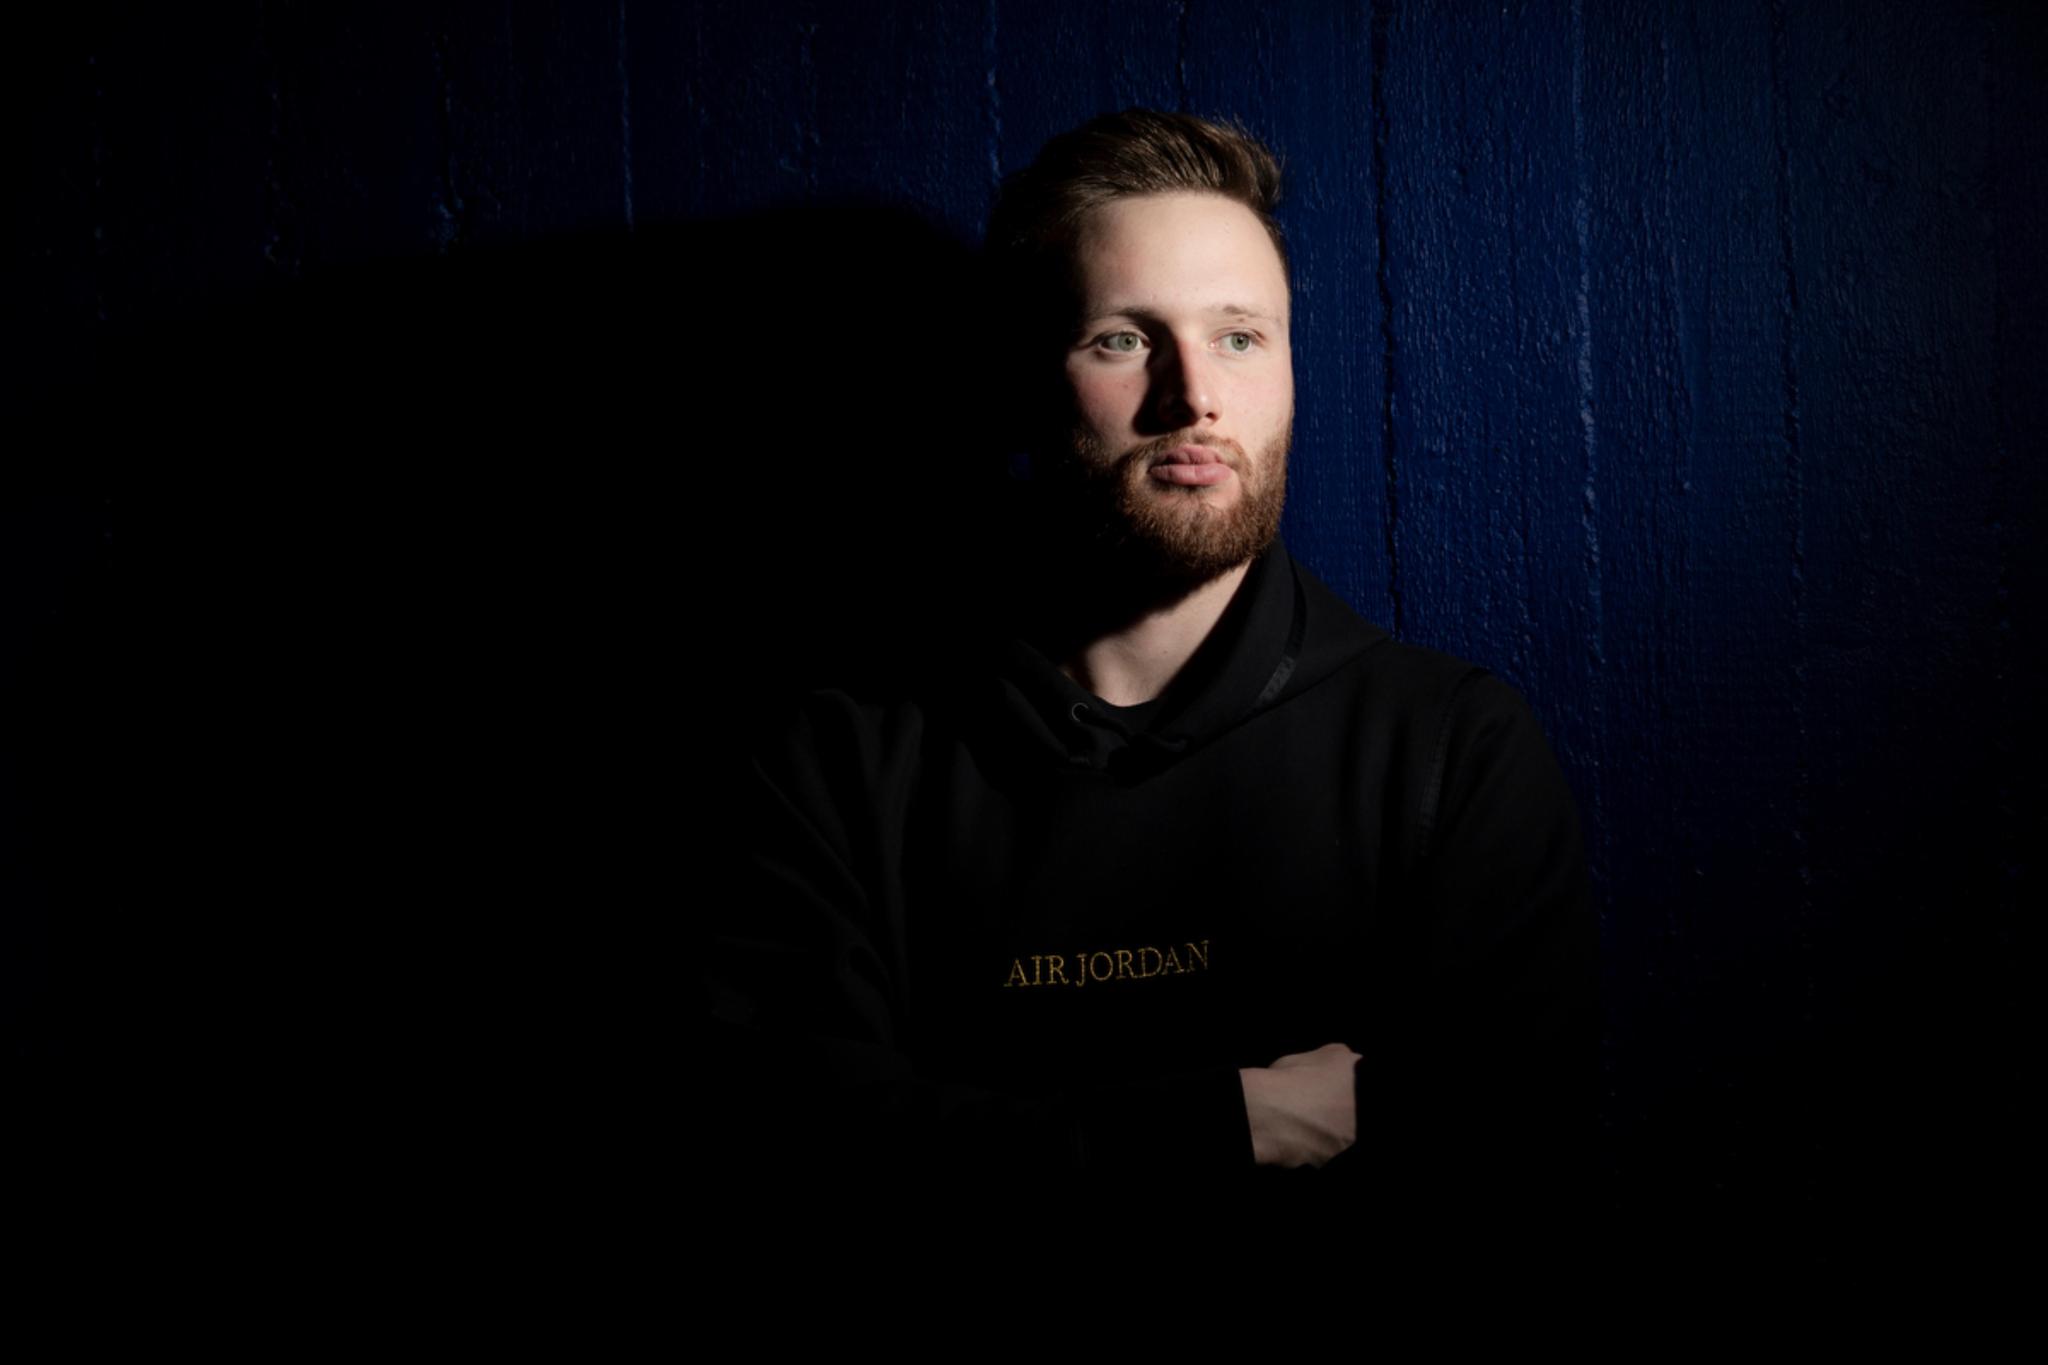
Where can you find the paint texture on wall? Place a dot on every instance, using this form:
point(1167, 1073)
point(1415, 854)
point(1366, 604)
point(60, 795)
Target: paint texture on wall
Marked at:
point(1680, 362)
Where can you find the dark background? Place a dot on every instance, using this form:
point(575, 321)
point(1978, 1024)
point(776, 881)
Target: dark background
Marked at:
point(491, 407)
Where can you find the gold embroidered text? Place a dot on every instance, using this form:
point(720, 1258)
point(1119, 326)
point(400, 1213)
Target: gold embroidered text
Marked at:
point(1108, 964)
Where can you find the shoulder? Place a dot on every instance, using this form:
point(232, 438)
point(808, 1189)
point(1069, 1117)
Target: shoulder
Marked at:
point(1494, 776)
point(1338, 640)
point(1360, 659)
point(1460, 725)
point(1340, 645)
point(1463, 731)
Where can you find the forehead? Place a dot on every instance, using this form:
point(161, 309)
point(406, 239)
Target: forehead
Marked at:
point(1159, 250)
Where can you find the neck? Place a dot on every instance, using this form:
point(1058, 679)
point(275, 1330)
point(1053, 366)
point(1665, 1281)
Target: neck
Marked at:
point(1134, 654)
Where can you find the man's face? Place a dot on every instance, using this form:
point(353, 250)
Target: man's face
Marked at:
point(1182, 380)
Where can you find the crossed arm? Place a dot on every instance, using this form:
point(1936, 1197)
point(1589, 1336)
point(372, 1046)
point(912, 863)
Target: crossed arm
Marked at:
point(1486, 1038)
point(1303, 1109)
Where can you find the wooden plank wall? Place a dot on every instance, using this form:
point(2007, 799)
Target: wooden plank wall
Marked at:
point(1681, 361)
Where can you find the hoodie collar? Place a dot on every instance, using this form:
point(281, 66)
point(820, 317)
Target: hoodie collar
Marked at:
point(1244, 665)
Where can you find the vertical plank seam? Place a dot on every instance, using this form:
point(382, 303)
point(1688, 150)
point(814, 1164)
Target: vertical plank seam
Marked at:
point(450, 209)
point(699, 111)
point(1582, 222)
point(1795, 473)
point(1382, 22)
point(625, 122)
point(1589, 507)
point(1688, 402)
point(1181, 39)
point(1525, 599)
point(808, 141)
point(2009, 835)
point(995, 102)
point(276, 202)
point(1681, 609)
point(98, 197)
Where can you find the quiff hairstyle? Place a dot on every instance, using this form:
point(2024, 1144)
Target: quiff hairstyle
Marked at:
point(1039, 211)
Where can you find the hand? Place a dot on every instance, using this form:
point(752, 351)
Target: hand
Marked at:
point(1303, 1108)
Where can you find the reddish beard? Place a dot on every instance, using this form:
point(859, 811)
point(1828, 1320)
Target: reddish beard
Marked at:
point(1174, 533)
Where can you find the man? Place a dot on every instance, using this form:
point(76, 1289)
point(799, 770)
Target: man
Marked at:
point(1197, 871)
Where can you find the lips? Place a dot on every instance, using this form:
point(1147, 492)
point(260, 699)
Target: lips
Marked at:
point(1190, 466)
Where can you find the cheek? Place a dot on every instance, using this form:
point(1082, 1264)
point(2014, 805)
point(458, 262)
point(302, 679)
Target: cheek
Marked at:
point(1278, 399)
point(1104, 402)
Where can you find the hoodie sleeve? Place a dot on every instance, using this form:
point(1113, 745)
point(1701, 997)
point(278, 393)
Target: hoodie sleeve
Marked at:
point(804, 980)
point(1498, 1082)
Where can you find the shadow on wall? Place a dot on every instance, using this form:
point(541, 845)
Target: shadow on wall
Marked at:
point(770, 436)
point(441, 598)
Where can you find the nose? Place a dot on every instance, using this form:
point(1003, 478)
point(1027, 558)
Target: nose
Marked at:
point(1184, 387)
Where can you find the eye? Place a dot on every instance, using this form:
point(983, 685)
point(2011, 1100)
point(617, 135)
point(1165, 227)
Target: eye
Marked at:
point(1122, 343)
point(1239, 343)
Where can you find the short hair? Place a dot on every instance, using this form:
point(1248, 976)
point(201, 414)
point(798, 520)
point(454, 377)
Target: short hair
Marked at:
point(1038, 212)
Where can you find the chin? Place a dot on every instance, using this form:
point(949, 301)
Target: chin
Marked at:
point(1190, 539)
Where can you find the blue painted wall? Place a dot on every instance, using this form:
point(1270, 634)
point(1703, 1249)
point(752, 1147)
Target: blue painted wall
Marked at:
point(1681, 361)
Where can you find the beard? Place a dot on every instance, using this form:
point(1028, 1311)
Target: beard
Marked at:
point(1167, 534)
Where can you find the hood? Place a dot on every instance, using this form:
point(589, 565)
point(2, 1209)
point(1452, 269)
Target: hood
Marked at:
point(1282, 633)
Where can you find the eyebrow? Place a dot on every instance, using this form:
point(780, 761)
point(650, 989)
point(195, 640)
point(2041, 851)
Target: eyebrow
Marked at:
point(1228, 310)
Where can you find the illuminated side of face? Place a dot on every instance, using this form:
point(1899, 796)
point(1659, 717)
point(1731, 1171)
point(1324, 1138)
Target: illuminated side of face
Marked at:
point(1181, 378)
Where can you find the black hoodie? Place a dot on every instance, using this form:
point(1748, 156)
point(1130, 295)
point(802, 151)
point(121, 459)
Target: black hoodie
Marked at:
point(1001, 928)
